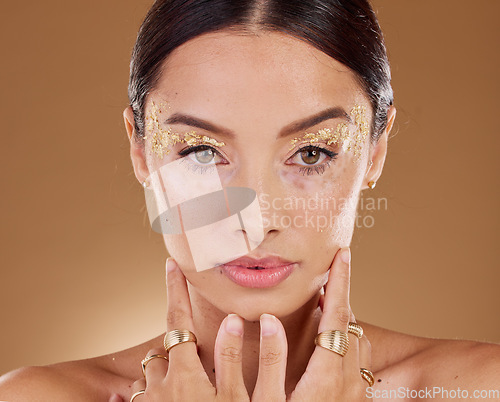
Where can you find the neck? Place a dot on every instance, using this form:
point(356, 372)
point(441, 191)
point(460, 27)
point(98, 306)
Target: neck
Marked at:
point(301, 327)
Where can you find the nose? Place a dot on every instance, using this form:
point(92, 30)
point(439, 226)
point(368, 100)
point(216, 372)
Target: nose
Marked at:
point(269, 190)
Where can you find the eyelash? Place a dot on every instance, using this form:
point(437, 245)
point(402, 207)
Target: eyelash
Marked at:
point(305, 170)
point(319, 169)
point(194, 167)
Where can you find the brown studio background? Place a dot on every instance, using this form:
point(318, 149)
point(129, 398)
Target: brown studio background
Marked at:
point(83, 275)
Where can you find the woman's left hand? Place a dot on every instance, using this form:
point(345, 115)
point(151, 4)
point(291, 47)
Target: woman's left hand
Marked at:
point(329, 376)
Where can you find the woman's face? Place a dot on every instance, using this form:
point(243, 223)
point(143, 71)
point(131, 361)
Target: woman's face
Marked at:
point(268, 90)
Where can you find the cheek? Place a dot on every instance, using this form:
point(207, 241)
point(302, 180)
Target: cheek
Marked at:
point(178, 248)
point(323, 206)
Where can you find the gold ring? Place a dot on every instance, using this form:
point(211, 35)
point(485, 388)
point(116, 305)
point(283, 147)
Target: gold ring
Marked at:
point(367, 376)
point(336, 341)
point(147, 359)
point(355, 329)
point(137, 394)
point(176, 337)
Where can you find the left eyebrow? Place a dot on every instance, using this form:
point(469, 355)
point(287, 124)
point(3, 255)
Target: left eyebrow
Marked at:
point(308, 122)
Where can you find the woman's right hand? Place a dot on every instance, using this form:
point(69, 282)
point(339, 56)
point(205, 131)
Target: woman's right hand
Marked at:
point(183, 378)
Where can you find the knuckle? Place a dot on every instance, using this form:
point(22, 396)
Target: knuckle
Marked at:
point(343, 314)
point(271, 358)
point(233, 393)
point(155, 351)
point(343, 275)
point(175, 316)
point(231, 354)
point(174, 279)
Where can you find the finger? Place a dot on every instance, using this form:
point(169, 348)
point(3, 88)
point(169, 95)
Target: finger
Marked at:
point(365, 358)
point(228, 357)
point(156, 368)
point(116, 398)
point(270, 385)
point(137, 386)
point(336, 310)
point(179, 316)
point(351, 362)
point(365, 353)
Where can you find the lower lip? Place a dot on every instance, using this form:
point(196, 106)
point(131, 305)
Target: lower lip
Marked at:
point(257, 278)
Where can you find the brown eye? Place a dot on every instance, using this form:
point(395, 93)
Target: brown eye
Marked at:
point(310, 156)
point(204, 156)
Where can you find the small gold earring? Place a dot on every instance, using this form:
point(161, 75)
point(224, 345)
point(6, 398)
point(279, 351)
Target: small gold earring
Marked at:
point(145, 184)
point(372, 184)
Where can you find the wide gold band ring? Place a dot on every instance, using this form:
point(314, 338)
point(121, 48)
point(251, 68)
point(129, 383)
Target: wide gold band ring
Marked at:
point(147, 359)
point(355, 329)
point(336, 341)
point(137, 394)
point(176, 337)
point(367, 376)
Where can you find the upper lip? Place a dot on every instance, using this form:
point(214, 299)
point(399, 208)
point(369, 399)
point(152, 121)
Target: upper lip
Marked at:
point(263, 262)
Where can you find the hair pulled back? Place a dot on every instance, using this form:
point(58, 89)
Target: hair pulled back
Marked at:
point(346, 30)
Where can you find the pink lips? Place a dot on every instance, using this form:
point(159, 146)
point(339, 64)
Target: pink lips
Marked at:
point(258, 273)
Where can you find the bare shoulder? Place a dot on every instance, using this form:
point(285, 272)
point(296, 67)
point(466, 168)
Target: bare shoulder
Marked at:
point(409, 363)
point(47, 383)
point(468, 364)
point(86, 380)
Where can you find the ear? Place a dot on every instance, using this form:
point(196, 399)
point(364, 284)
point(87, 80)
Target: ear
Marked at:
point(379, 151)
point(136, 150)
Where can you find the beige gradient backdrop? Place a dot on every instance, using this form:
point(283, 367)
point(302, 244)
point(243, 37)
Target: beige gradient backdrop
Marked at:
point(83, 275)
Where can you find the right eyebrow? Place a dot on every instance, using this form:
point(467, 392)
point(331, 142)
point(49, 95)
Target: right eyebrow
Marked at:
point(179, 118)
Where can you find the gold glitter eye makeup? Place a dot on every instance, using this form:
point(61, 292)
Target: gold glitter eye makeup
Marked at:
point(162, 140)
point(341, 135)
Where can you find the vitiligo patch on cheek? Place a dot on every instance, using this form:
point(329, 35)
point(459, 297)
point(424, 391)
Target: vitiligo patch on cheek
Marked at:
point(220, 224)
point(161, 140)
point(350, 141)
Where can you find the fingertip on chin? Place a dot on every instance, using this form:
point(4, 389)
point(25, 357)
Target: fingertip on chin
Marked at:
point(170, 264)
point(345, 255)
point(234, 324)
point(115, 398)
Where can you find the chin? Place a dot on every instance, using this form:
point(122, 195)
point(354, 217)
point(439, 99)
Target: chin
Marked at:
point(250, 304)
point(279, 310)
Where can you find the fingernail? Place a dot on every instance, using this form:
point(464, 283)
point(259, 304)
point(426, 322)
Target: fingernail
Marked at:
point(170, 264)
point(234, 325)
point(268, 325)
point(345, 255)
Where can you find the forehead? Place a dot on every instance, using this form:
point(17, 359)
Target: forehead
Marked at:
point(255, 73)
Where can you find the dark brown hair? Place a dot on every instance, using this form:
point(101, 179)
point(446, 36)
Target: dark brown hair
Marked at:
point(346, 30)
